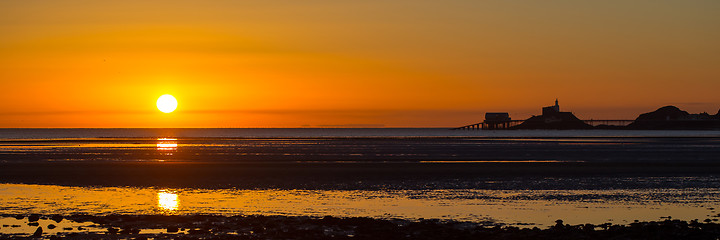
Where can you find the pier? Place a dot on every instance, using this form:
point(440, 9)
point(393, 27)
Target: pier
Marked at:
point(491, 125)
point(550, 115)
point(511, 123)
point(613, 122)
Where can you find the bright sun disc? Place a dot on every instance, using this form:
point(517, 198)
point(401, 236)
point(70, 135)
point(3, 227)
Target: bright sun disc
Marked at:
point(166, 103)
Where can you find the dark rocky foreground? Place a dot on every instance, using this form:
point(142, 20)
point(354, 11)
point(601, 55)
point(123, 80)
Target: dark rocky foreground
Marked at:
point(281, 227)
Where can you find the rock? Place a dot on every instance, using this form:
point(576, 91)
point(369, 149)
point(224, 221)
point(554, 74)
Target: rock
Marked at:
point(664, 113)
point(57, 218)
point(671, 117)
point(19, 217)
point(34, 224)
point(557, 120)
point(68, 229)
point(51, 226)
point(34, 218)
point(38, 232)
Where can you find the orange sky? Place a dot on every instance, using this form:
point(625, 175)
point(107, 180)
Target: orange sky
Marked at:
point(333, 63)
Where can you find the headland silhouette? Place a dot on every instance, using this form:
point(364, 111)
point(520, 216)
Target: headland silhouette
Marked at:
point(664, 118)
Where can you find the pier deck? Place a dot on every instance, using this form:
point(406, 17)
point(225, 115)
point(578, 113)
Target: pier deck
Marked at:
point(508, 124)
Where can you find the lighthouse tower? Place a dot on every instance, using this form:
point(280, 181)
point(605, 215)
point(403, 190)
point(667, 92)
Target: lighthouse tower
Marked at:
point(551, 109)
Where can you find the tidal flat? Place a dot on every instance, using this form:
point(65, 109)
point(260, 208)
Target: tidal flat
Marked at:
point(334, 187)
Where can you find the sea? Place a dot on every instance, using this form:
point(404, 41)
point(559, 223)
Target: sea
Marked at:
point(505, 177)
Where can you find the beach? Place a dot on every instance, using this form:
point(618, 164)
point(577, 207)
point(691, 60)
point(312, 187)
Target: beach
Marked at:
point(460, 181)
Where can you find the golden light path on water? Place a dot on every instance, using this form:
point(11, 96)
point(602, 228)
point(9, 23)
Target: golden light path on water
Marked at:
point(536, 207)
point(167, 201)
point(167, 144)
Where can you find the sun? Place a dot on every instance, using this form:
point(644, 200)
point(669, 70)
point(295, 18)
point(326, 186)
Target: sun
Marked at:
point(167, 103)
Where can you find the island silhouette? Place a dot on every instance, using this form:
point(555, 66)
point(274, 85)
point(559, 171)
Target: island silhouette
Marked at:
point(664, 118)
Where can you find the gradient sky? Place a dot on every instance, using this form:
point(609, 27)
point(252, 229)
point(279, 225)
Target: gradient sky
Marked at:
point(351, 63)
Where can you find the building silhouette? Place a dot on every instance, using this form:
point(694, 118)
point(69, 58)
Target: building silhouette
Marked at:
point(551, 109)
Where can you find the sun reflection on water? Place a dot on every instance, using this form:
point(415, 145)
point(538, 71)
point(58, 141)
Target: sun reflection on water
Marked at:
point(521, 207)
point(168, 201)
point(167, 144)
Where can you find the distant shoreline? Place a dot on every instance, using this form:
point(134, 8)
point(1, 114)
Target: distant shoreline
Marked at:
point(664, 118)
point(255, 133)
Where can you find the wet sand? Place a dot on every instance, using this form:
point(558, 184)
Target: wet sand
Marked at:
point(240, 150)
point(575, 163)
point(360, 175)
point(510, 207)
point(360, 163)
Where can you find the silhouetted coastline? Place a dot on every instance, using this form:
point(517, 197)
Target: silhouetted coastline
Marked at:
point(664, 118)
point(672, 118)
point(556, 120)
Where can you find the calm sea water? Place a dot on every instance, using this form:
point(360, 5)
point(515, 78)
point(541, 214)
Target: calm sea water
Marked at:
point(376, 145)
point(43, 133)
point(512, 177)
